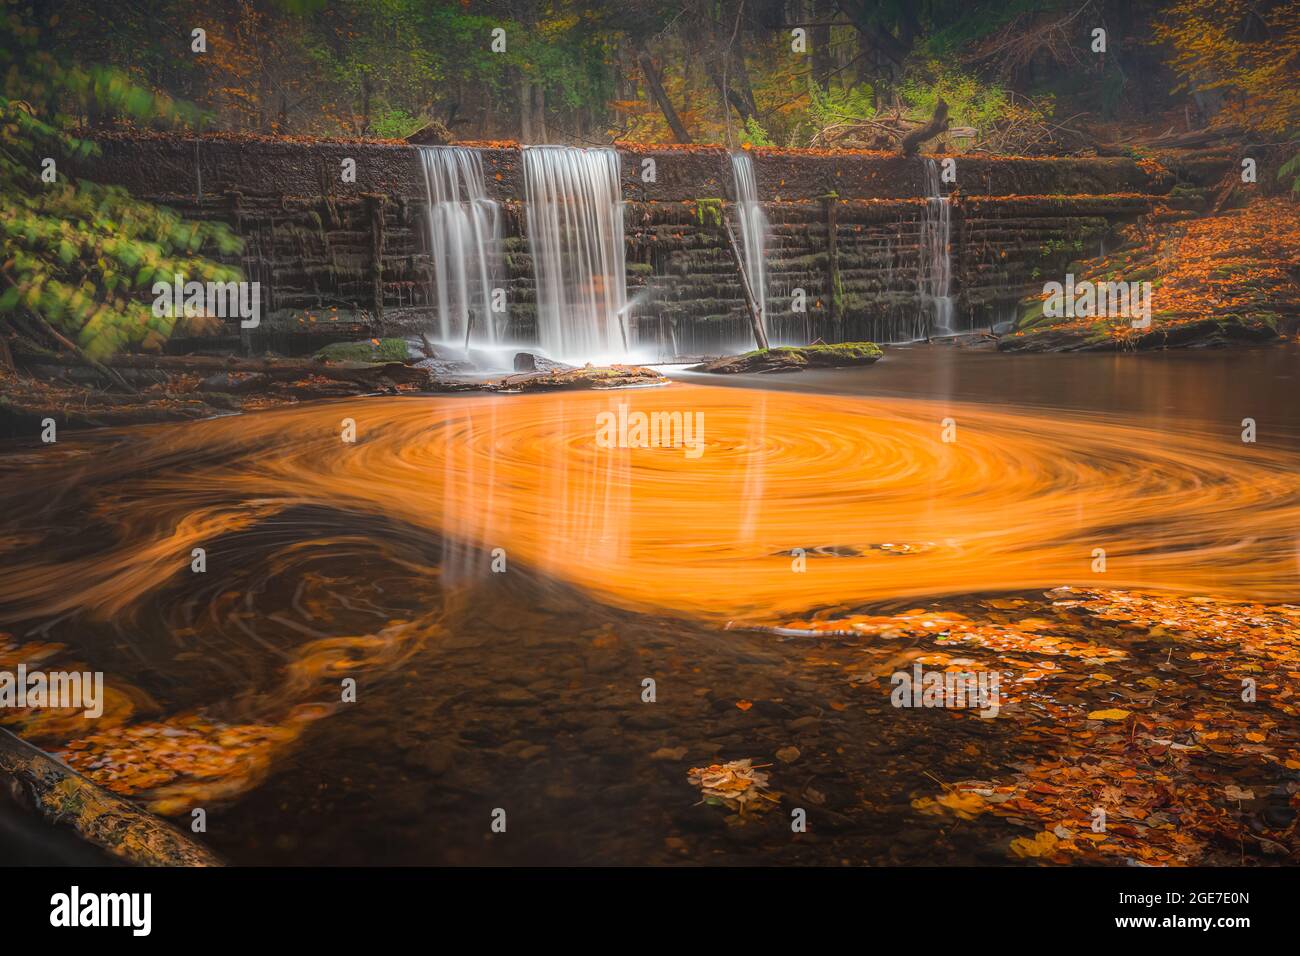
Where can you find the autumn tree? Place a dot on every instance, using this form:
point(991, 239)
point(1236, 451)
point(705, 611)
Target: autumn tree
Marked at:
point(1245, 56)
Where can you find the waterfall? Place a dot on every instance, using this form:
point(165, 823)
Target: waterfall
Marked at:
point(575, 235)
point(753, 229)
point(935, 272)
point(463, 231)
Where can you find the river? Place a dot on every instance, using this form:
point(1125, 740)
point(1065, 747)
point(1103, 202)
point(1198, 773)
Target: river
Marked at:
point(493, 588)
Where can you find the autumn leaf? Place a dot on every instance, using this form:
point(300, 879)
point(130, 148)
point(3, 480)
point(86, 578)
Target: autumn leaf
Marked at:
point(1044, 844)
point(1113, 714)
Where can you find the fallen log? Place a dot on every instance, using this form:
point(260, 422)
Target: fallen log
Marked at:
point(795, 358)
point(568, 379)
point(63, 797)
point(938, 124)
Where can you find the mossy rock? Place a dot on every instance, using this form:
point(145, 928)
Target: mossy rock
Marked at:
point(708, 212)
point(369, 350)
point(1034, 316)
point(795, 358)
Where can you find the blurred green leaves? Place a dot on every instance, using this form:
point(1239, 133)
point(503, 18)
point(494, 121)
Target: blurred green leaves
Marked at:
point(79, 255)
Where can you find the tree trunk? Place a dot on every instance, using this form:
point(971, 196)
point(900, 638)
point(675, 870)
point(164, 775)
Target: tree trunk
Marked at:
point(821, 43)
point(871, 36)
point(539, 112)
point(525, 111)
point(365, 105)
point(661, 97)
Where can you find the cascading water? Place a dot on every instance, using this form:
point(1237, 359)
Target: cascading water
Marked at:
point(575, 235)
point(935, 273)
point(753, 230)
point(463, 230)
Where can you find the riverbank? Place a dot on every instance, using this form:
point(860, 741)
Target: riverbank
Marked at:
point(1229, 278)
point(186, 388)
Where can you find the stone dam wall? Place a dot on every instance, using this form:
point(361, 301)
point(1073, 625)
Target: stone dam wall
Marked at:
point(338, 259)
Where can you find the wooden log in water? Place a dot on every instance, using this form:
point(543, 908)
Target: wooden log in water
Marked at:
point(755, 316)
point(63, 797)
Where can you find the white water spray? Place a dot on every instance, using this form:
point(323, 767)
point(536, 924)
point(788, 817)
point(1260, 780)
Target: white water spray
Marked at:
point(753, 230)
point(575, 234)
point(463, 229)
point(935, 273)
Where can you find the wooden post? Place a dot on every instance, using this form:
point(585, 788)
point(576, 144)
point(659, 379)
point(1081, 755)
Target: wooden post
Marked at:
point(755, 316)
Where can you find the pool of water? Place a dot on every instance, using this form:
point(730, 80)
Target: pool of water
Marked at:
point(498, 580)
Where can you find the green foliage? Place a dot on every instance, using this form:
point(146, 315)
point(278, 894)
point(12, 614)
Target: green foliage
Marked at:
point(754, 134)
point(970, 102)
point(989, 108)
point(840, 103)
point(371, 350)
point(566, 53)
point(77, 255)
point(395, 124)
point(384, 64)
point(962, 23)
point(828, 109)
point(1291, 170)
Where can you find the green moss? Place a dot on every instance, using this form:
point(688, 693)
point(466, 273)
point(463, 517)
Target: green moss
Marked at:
point(1034, 316)
point(848, 351)
point(71, 804)
point(387, 350)
point(708, 212)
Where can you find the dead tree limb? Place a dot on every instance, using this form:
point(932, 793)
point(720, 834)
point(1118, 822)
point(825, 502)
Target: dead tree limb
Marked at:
point(938, 124)
point(751, 304)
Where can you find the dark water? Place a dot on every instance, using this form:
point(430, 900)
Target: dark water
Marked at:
point(522, 691)
point(1210, 388)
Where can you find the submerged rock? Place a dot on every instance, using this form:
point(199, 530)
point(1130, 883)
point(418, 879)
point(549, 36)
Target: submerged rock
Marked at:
point(532, 362)
point(796, 358)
